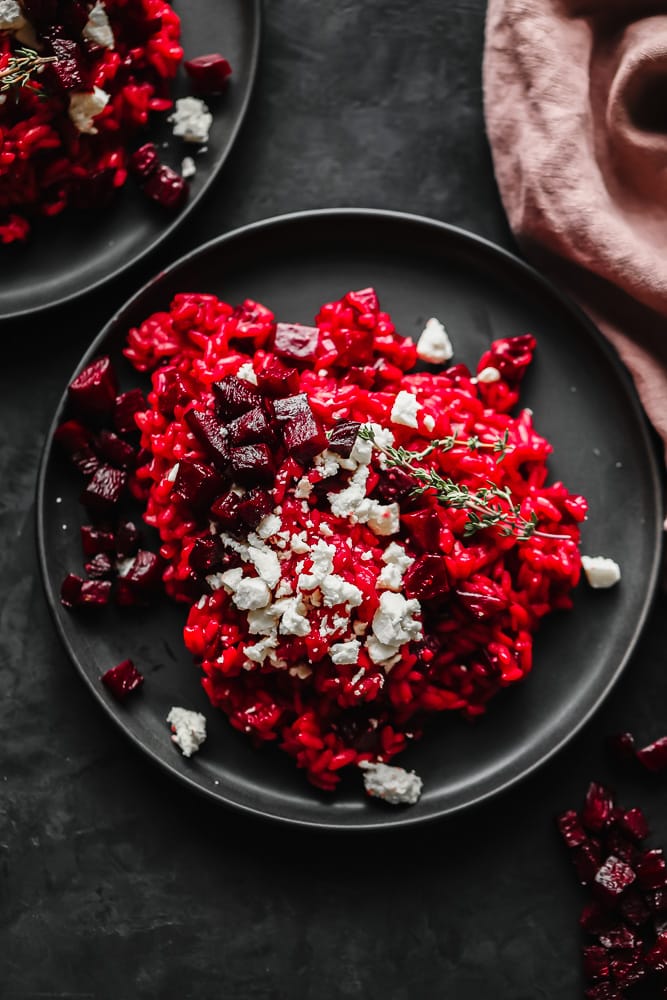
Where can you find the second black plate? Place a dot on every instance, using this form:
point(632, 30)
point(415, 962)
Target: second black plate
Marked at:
point(583, 402)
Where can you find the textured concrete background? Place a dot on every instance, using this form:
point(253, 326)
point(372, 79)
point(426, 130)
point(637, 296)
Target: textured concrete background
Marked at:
point(116, 883)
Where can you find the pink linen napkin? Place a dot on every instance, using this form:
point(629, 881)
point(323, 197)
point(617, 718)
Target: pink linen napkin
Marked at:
point(575, 98)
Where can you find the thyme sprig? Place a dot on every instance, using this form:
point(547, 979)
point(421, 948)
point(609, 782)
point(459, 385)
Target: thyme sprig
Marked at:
point(487, 507)
point(23, 65)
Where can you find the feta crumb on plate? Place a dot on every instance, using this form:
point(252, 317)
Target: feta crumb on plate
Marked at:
point(189, 169)
point(394, 785)
point(188, 729)
point(85, 106)
point(600, 571)
point(97, 28)
point(191, 120)
point(405, 408)
point(434, 345)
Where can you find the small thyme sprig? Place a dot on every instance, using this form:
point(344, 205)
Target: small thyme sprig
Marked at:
point(22, 66)
point(481, 506)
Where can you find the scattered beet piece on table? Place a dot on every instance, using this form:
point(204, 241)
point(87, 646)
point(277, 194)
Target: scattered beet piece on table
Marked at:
point(92, 394)
point(209, 73)
point(123, 679)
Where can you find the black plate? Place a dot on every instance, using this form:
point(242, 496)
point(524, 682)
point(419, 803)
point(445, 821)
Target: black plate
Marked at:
point(583, 402)
point(70, 255)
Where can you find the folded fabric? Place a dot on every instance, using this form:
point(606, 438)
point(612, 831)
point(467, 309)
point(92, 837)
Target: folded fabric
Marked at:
point(575, 98)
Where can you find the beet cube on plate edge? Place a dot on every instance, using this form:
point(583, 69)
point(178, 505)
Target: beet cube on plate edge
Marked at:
point(122, 679)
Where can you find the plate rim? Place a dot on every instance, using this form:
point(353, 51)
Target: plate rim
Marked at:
point(255, 7)
point(398, 819)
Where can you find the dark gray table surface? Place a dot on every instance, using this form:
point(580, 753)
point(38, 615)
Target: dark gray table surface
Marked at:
point(116, 883)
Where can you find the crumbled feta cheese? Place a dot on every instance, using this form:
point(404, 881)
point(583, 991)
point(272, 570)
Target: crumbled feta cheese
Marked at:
point(327, 464)
point(299, 544)
point(336, 590)
point(284, 588)
point(260, 650)
point(345, 652)
point(359, 628)
point(266, 563)
point(293, 621)
point(301, 670)
point(215, 581)
point(246, 371)
point(251, 594)
point(429, 422)
point(189, 169)
point(326, 529)
point(395, 554)
point(322, 555)
point(390, 578)
point(230, 579)
point(340, 622)
point(303, 488)
point(268, 526)
point(600, 571)
point(173, 472)
point(381, 653)
point(405, 409)
point(384, 519)
point(489, 375)
point(394, 622)
point(84, 106)
point(97, 28)
point(434, 345)
point(11, 16)
point(366, 556)
point(261, 622)
point(191, 120)
point(392, 784)
point(189, 729)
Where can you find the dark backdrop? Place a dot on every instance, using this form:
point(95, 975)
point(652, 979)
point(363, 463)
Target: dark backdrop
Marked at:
point(116, 883)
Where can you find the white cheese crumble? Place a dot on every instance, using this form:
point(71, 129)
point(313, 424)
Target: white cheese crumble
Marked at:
point(191, 120)
point(269, 526)
point(85, 106)
point(394, 785)
point(345, 652)
point(382, 654)
point(405, 409)
point(394, 623)
point(97, 28)
point(260, 650)
point(384, 519)
point(293, 620)
point(189, 729)
point(489, 375)
point(251, 594)
point(434, 344)
point(11, 16)
point(600, 571)
point(246, 371)
point(429, 423)
point(336, 590)
point(303, 488)
point(188, 170)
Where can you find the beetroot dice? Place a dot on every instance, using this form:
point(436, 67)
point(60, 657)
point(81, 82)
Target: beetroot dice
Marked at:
point(197, 484)
point(206, 554)
point(99, 567)
point(167, 188)
point(70, 590)
point(596, 962)
point(226, 510)
point(127, 405)
point(427, 578)
point(423, 526)
point(394, 485)
point(171, 390)
point(571, 829)
point(275, 379)
point(92, 394)
point(211, 435)
point(76, 593)
point(68, 68)
point(209, 73)
point(102, 494)
point(633, 823)
point(235, 396)
point(122, 679)
point(343, 437)
point(114, 450)
point(144, 161)
point(296, 342)
point(654, 756)
point(76, 441)
point(304, 436)
point(597, 807)
point(251, 427)
point(140, 582)
point(651, 870)
point(127, 540)
point(93, 540)
point(290, 407)
point(656, 959)
point(253, 465)
point(613, 878)
point(254, 506)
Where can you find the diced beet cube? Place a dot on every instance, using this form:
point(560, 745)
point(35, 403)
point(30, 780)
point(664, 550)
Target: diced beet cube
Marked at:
point(122, 679)
point(291, 407)
point(94, 541)
point(587, 861)
point(92, 394)
point(209, 73)
point(427, 579)
point(595, 919)
point(627, 972)
point(128, 538)
point(604, 991)
point(364, 301)
point(423, 527)
point(620, 939)
point(95, 593)
point(482, 598)
point(613, 878)
point(253, 465)
point(142, 580)
point(254, 506)
point(296, 342)
point(634, 908)
point(171, 390)
point(275, 379)
point(103, 492)
point(167, 188)
point(235, 396)
point(251, 428)
point(144, 161)
point(304, 436)
point(211, 436)
point(393, 486)
point(596, 962)
point(70, 590)
point(114, 450)
point(651, 870)
point(226, 510)
point(251, 321)
point(597, 807)
point(343, 437)
point(127, 405)
point(76, 441)
point(656, 958)
point(622, 847)
point(68, 69)
point(99, 567)
point(571, 829)
point(197, 484)
point(654, 756)
point(634, 824)
point(206, 554)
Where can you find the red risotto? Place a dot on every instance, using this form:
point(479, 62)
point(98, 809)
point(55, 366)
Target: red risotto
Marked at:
point(362, 545)
point(78, 81)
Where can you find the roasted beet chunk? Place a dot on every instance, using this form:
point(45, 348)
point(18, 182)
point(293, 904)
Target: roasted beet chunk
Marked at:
point(76, 441)
point(654, 756)
point(226, 510)
point(209, 73)
point(144, 161)
point(598, 807)
point(68, 69)
point(251, 428)
point(235, 396)
point(99, 567)
point(70, 590)
point(254, 506)
point(343, 436)
point(197, 484)
point(304, 435)
point(101, 495)
point(128, 538)
point(275, 379)
point(211, 435)
point(253, 465)
point(296, 342)
point(167, 188)
point(206, 554)
point(290, 407)
point(127, 405)
point(141, 580)
point(92, 394)
point(633, 822)
point(114, 450)
point(651, 870)
point(394, 486)
point(613, 878)
point(656, 959)
point(94, 541)
point(76, 593)
point(571, 829)
point(123, 679)
point(423, 526)
point(427, 578)
point(171, 390)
